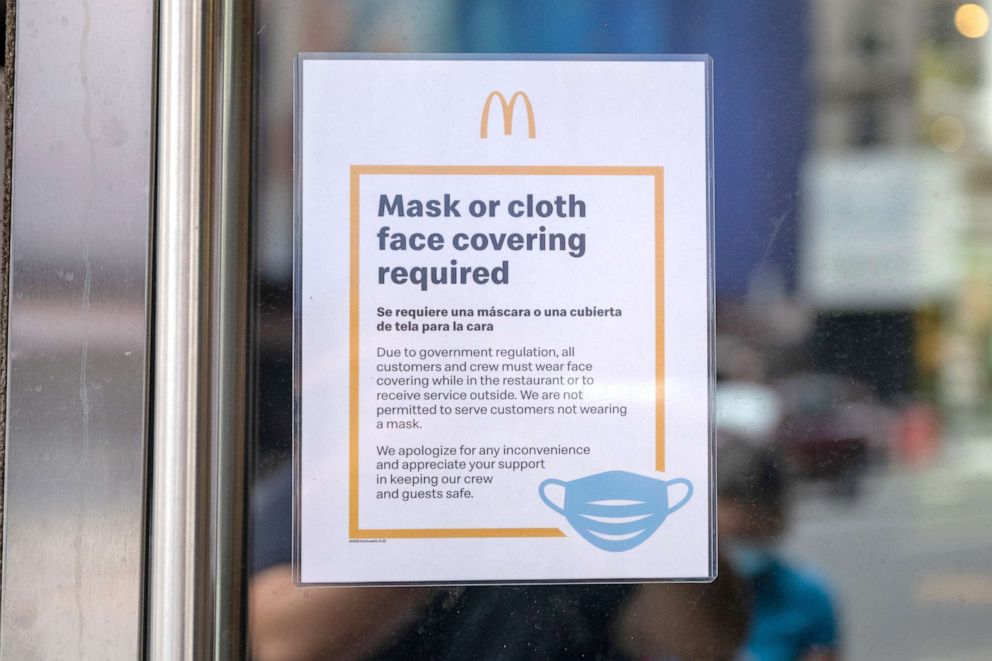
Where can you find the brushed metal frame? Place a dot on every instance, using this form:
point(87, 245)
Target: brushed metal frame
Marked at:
point(130, 215)
point(77, 424)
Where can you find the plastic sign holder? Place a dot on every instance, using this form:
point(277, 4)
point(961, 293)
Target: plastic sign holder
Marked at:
point(503, 320)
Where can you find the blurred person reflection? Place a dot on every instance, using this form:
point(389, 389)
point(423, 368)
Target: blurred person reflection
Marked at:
point(510, 623)
point(672, 621)
point(793, 614)
point(745, 405)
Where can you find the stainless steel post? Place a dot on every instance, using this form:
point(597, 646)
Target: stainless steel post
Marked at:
point(231, 275)
point(201, 274)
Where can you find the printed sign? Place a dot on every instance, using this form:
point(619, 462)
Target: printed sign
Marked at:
point(503, 320)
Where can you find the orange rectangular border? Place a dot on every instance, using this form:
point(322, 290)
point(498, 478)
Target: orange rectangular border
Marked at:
point(354, 531)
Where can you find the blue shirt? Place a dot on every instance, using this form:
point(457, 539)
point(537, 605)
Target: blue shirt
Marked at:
point(793, 615)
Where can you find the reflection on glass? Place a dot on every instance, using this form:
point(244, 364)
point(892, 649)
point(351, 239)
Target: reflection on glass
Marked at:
point(971, 20)
point(854, 349)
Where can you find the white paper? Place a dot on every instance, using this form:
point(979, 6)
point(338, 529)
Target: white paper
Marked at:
point(543, 414)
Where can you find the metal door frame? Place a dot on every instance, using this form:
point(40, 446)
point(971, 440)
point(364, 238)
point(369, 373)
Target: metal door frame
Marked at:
point(127, 355)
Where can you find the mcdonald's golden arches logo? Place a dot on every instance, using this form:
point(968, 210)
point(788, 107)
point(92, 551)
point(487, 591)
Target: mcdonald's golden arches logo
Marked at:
point(507, 108)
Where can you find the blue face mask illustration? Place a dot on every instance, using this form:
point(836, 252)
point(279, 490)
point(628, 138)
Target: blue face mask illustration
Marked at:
point(616, 510)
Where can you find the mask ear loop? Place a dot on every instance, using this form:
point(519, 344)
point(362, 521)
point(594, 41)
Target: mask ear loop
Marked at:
point(685, 498)
point(544, 497)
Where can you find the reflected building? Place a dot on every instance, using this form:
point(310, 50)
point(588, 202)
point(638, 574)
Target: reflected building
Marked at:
point(892, 255)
